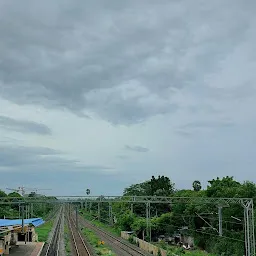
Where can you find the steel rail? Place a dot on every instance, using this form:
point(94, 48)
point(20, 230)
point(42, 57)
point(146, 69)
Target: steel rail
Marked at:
point(53, 246)
point(125, 246)
point(78, 252)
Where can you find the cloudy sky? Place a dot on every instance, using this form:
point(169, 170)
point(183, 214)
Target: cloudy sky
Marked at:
point(103, 94)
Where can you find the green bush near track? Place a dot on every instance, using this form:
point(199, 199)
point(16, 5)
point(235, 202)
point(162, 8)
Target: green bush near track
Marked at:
point(114, 230)
point(172, 250)
point(101, 249)
point(44, 230)
point(67, 240)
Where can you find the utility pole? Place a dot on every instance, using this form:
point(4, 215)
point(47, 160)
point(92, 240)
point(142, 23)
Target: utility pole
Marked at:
point(131, 208)
point(249, 228)
point(90, 207)
point(99, 211)
point(77, 217)
point(220, 220)
point(26, 211)
point(22, 216)
point(148, 219)
point(110, 214)
point(32, 210)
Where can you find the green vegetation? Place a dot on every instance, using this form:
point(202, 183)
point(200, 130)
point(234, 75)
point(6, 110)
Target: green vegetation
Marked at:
point(179, 251)
point(115, 230)
point(67, 240)
point(44, 230)
point(11, 211)
point(195, 220)
point(174, 250)
point(99, 246)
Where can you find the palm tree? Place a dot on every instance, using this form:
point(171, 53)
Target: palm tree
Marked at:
point(197, 185)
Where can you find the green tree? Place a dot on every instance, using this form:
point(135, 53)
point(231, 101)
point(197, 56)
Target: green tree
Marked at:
point(164, 224)
point(225, 187)
point(5, 210)
point(2, 194)
point(125, 221)
point(140, 189)
point(162, 186)
point(32, 194)
point(139, 226)
point(14, 194)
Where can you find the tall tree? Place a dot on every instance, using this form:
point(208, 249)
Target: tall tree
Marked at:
point(225, 187)
point(140, 189)
point(14, 194)
point(2, 194)
point(162, 186)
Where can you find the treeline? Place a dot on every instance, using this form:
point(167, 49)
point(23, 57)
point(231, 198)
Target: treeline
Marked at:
point(13, 211)
point(194, 219)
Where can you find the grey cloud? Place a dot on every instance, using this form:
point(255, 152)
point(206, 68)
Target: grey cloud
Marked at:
point(23, 126)
point(14, 158)
point(122, 157)
point(207, 124)
point(86, 56)
point(136, 149)
point(184, 133)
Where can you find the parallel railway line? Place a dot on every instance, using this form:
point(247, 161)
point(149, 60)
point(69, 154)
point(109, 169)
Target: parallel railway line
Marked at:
point(80, 248)
point(119, 246)
point(52, 249)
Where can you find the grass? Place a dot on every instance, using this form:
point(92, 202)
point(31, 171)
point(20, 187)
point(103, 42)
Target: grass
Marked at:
point(44, 230)
point(174, 250)
point(178, 251)
point(99, 224)
point(67, 240)
point(100, 249)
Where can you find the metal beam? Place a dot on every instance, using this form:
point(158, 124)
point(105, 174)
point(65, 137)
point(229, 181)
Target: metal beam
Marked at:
point(220, 220)
point(129, 199)
point(99, 211)
point(76, 217)
point(247, 204)
point(22, 216)
point(148, 220)
point(249, 228)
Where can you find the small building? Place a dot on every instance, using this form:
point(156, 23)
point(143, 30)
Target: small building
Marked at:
point(11, 232)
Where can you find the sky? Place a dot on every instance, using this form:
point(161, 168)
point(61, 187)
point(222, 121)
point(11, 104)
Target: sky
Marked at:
point(105, 94)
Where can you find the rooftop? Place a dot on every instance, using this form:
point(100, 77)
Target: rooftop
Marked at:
point(35, 222)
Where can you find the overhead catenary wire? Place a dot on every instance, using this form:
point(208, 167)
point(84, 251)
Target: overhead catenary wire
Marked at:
point(211, 234)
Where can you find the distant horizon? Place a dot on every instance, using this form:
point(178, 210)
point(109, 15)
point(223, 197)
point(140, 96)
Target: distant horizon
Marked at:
point(204, 187)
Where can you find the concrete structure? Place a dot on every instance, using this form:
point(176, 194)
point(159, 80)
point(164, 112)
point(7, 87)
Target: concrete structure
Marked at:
point(11, 232)
point(148, 247)
point(30, 249)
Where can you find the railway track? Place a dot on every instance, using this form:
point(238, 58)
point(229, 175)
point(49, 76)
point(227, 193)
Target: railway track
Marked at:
point(118, 245)
point(80, 248)
point(52, 249)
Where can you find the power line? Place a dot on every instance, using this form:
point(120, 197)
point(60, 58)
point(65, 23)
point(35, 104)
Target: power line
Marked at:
point(199, 231)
